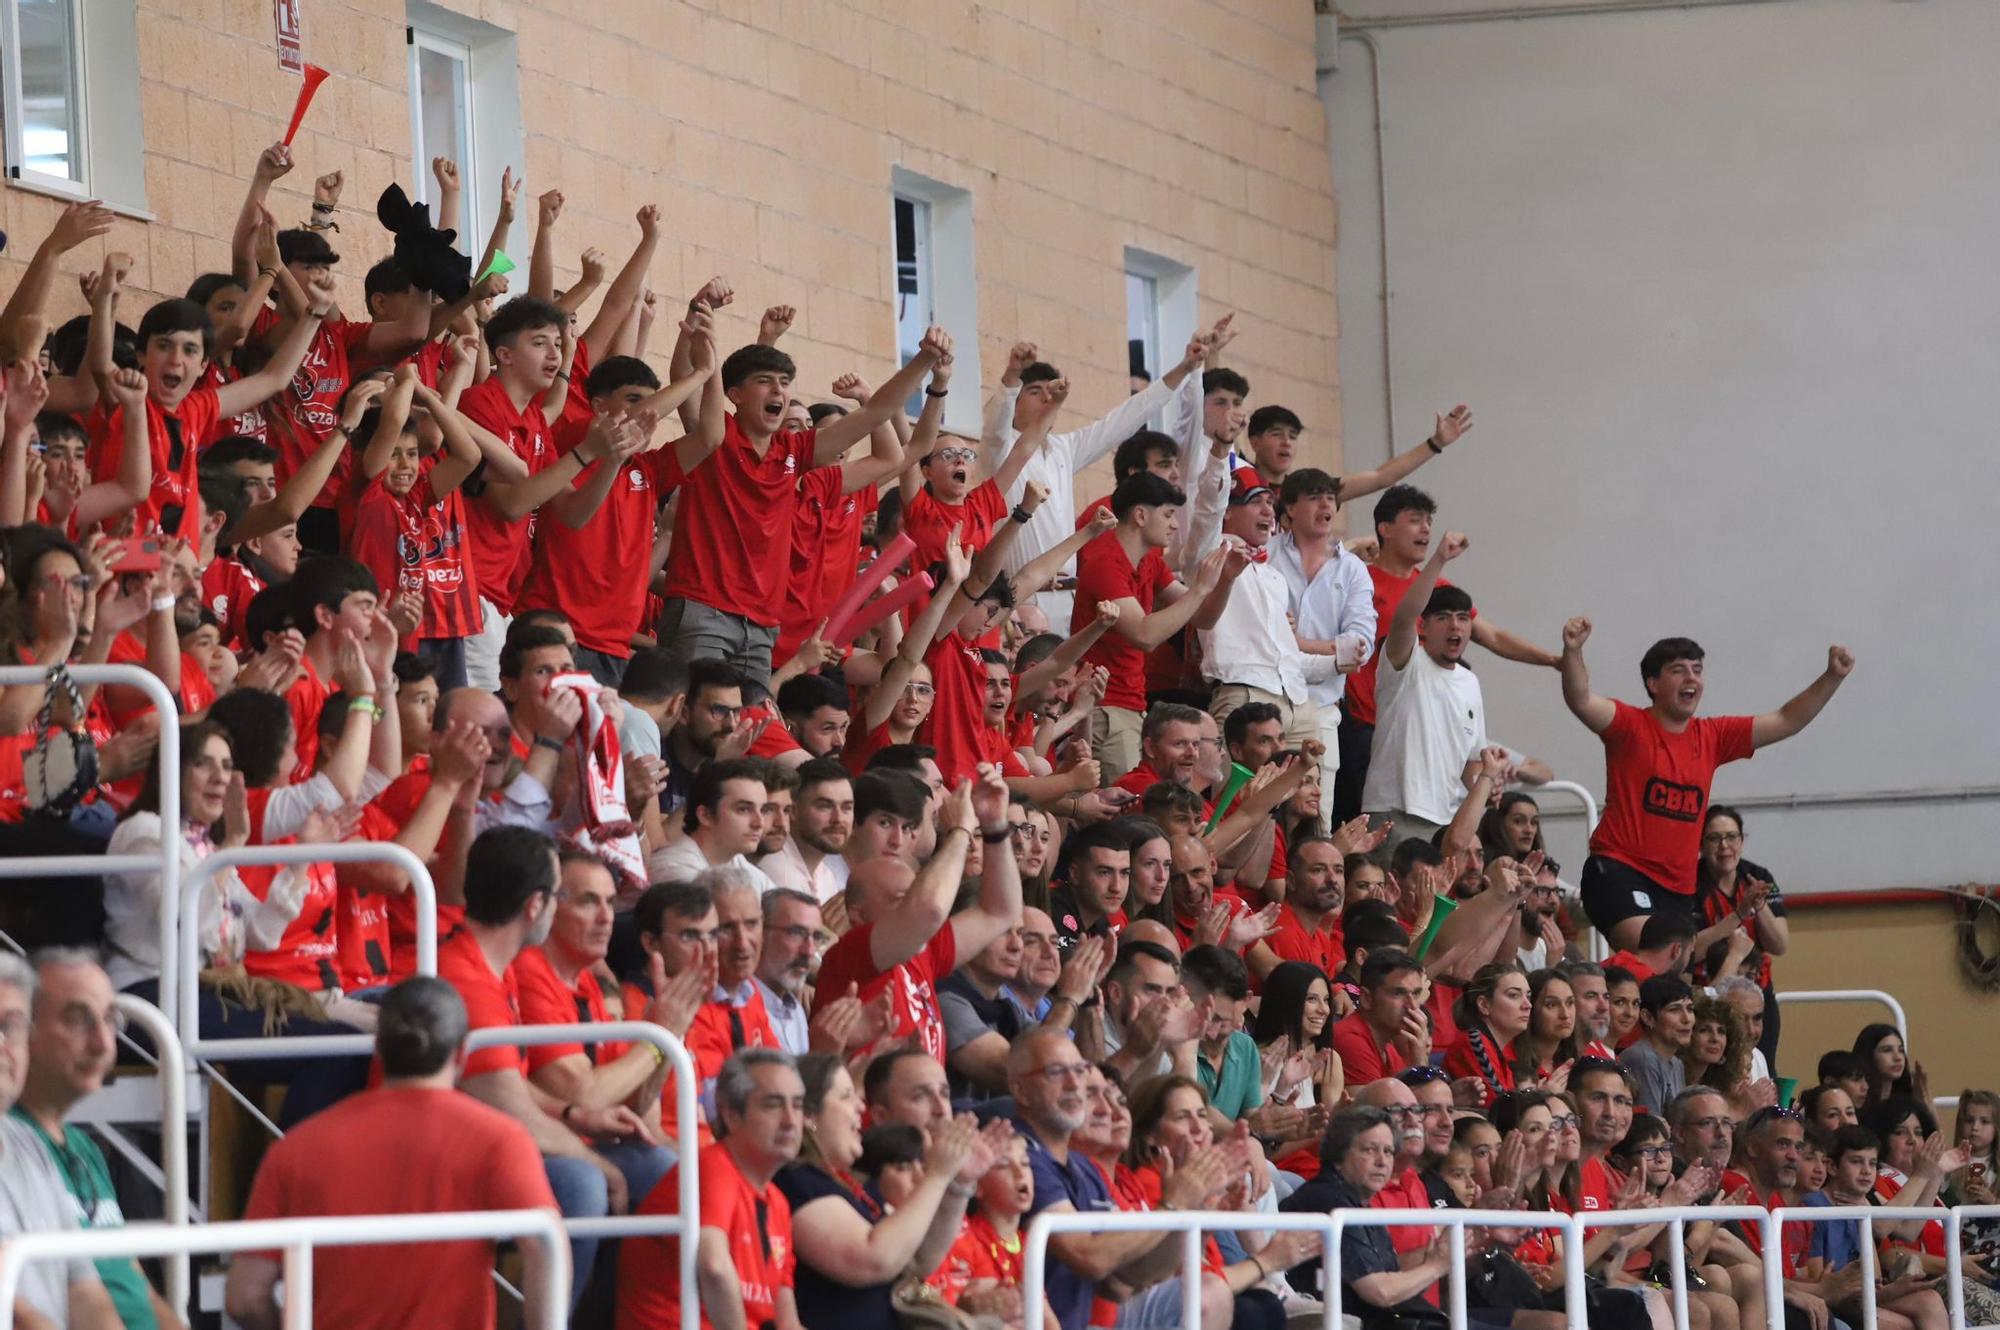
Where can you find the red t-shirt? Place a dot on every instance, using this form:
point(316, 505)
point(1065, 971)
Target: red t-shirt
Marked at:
point(307, 698)
point(416, 543)
point(596, 574)
point(308, 954)
point(979, 1253)
point(501, 550)
point(547, 1000)
point(861, 747)
point(490, 1000)
point(250, 424)
point(958, 715)
point(364, 915)
point(1460, 1060)
point(1795, 1239)
point(732, 543)
point(402, 1151)
point(1362, 1059)
point(1598, 1185)
point(713, 1037)
point(1406, 1191)
point(1316, 946)
point(173, 505)
point(227, 588)
point(1637, 968)
point(757, 1223)
point(826, 553)
point(307, 411)
point(913, 984)
point(1359, 702)
point(399, 802)
point(928, 521)
point(774, 740)
point(1656, 790)
point(1103, 572)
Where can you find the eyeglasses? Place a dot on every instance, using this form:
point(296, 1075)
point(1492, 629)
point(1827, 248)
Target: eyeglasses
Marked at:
point(919, 690)
point(1407, 1112)
point(1567, 1122)
point(1713, 1124)
point(1062, 1071)
point(1723, 838)
point(955, 454)
point(1651, 1152)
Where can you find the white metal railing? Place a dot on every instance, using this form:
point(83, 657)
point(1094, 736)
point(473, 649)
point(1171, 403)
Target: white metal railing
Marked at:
point(1677, 1218)
point(173, 1133)
point(1868, 1215)
point(1575, 791)
point(186, 1007)
point(168, 754)
point(1806, 997)
point(296, 1238)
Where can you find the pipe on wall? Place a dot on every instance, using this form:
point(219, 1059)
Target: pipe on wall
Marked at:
point(1517, 13)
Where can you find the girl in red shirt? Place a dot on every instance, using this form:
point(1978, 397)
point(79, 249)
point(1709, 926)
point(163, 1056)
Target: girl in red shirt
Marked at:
point(1491, 1014)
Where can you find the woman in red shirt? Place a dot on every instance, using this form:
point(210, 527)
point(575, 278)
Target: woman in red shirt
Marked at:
point(1491, 1014)
point(1550, 1039)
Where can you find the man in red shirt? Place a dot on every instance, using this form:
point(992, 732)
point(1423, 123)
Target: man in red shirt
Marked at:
point(413, 1146)
point(733, 1017)
point(1170, 742)
point(1663, 947)
point(1403, 533)
point(1771, 1141)
point(904, 935)
point(1309, 919)
point(1604, 1102)
point(941, 497)
point(1386, 1033)
point(593, 556)
point(510, 880)
point(1658, 765)
point(744, 1258)
point(730, 559)
point(1126, 567)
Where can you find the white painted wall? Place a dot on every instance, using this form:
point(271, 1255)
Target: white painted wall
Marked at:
point(1723, 289)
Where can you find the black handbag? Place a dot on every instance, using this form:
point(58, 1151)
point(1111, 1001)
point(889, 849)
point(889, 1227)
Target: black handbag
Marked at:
point(61, 769)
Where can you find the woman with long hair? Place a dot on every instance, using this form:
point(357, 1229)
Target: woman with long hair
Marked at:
point(1550, 1039)
point(1719, 1053)
point(1492, 1012)
point(1294, 1032)
point(1913, 1168)
point(1891, 1069)
point(851, 1252)
point(1152, 868)
point(1034, 834)
point(1512, 828)
point(1978, 1111)
point(1732, 893)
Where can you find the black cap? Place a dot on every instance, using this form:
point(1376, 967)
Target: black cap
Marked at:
point(303, 246)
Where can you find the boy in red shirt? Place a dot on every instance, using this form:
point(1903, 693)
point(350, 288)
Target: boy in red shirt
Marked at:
point(1658, 765)
point(175, 341)
point(409, 523)
point(939, 495)
point(1126, 567)
point(728, 565)
point(594, 555)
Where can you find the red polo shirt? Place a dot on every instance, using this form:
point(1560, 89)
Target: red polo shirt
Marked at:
point(732, 531)
point(1362, 1059)
point(1104, 572)
point(500, 549)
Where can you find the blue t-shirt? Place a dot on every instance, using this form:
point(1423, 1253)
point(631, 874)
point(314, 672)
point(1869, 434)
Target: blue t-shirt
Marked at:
point(1836, 1241)
point(1082, 1184)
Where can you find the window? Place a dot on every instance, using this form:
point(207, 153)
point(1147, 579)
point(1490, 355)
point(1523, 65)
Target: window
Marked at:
point(465, 104)
point(1160, 311)
point(71, 75)
point(931, 235)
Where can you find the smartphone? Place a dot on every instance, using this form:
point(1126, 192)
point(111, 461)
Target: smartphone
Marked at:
point(1977, 1168)
point(141, 556)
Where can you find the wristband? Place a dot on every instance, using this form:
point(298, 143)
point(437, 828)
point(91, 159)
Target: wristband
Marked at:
point(266, 270)
point(163, 603)
point(365, 705)
point(553, 745)
point(563, 374)
point(990, 837)
point(960, 1191)
point(937, 392)
point(1258, 1261)
point(1432, 444)
point(322, 206)
point(1021, 514)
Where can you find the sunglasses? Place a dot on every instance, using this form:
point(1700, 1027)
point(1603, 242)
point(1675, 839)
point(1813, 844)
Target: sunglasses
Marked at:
point(1415, 1076)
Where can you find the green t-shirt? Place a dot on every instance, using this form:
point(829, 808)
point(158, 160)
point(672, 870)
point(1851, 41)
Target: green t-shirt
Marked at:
point(1239, 1086)
point(88, 1180)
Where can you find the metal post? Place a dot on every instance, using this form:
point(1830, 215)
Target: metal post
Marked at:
point(299, 1286)
point(1455, 1280)
point(1774, 1270)
point(1816, 996)
point(172, 1076)
point(1191, 1277)
point(1677, 1256)
point(1868, 1270)
point(1575, 1302)
point(1954, 1267)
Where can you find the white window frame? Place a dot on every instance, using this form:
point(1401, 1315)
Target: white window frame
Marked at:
point(1144, 304)
point(109, 148)
point(945, 257)
point(492, 108)
point(1176, 313)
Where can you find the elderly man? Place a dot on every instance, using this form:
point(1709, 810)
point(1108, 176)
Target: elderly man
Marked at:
point(785, 966)
point(734, 1017)
point(1704, 1132)
point(413, 1146)
point(71, 1046)
point(1770, 1156)
point(33, 1198)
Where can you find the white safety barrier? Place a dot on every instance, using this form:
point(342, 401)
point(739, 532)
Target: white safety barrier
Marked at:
point(1575, 1227)
point(186, 1006)
point(1575, 791)
point(173, 1134)
point(1807, 997)
point(167, 863)
point(297, 1238)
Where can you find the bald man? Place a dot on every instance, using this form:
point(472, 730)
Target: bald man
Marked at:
point(514, 792)
point(1406, 1190)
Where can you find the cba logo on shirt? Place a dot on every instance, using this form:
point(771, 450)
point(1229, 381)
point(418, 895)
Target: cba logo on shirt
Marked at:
point(1682, 803)
point(635, 476)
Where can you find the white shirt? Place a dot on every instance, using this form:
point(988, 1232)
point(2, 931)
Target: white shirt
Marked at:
point(787, 868)
point(233, 920)
point(683, 861)
point(1430, 721)
point(1061, 456)
point(1252, 643)
point(1337, 604)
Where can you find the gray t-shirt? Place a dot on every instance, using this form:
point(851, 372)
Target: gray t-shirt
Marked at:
point(1658, 1077)
point(33, 1200)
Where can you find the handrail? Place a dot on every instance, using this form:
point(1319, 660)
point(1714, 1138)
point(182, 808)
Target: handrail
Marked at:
point(188, 1007)
point(1569, 787)
point(1677, 1218)
point(1868, 1214)
point(297, 1238)
point(172, 1080)
point(1818, 996)
point(168, 755)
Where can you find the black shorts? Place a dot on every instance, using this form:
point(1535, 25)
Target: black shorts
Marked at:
point(1613, 892)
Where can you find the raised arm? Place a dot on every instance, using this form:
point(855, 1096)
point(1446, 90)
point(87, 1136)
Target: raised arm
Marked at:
point(1795, 715)
point(837, 436)
point(1032, 576)
point(916, 643)
point(629, 433)
point(1450, 425)
point(891, 447)
point(923, 439)
point(625, 287)
point(79, 222)
point(461, 453)
point(912, 925)
point(1594, 711)
point(542, 260)
point(1402, 635)
point(273, 164)
point(1059, 662)
point(235, 398)
point(1034, 433)
point(390, 421)
point(1148, 631)
point(998, 907)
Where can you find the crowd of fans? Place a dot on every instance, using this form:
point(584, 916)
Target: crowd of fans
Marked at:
point(987, 859)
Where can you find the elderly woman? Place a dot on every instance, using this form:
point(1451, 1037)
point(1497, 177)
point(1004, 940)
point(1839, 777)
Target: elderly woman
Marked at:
point(851, 1251)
